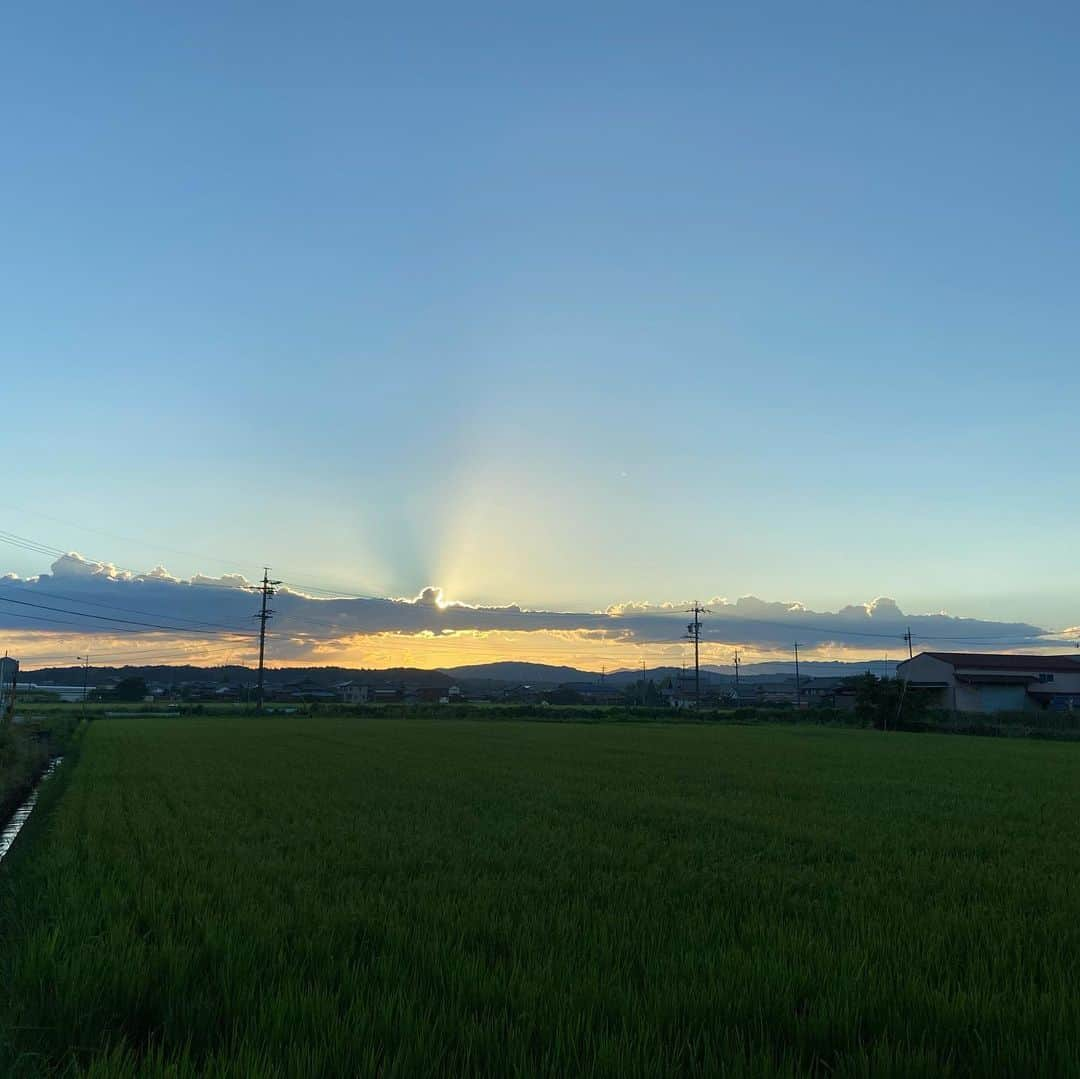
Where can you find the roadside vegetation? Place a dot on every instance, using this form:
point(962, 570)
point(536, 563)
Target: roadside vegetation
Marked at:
point(877, 704)
point(334, 896)
point(25, 751)
point(22, 759)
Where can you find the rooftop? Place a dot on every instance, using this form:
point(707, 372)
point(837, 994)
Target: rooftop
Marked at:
point(990, 661)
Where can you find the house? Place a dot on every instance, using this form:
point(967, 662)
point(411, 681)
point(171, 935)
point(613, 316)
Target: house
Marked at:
point(427, 694)
point(829, 692)
point(520, 694)
point(986, 683)
point(678, 700)
point(356, 692)
point(782, 690)
point(593, 692)
point(200, 691)
point(428, 691)
point(681, 691)
point(307, 689)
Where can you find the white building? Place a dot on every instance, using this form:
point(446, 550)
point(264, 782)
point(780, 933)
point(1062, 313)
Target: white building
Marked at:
point(977, 682)
point(355, 692)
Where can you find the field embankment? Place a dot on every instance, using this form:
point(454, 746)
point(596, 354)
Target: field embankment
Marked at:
point(342, 897)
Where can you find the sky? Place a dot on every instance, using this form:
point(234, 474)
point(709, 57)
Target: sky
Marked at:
point(551, 306)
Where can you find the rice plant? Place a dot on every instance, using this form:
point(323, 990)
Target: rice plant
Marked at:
point(344, 896)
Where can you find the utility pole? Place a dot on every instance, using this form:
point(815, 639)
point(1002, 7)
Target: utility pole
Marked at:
point(899, 707)
point(266, 589)
point(643, 683)
point(798, 684)
point(693, 631)
point(736, 676)
point(85, 660)
point(907, 637)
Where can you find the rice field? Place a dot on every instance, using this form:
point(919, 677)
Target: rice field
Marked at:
point(347, 897)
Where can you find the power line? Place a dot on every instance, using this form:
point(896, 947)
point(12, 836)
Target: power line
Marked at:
point(29, 544)
point(35, 546)
point(43, 548)
point(115, 607)
point(131, 539)
point(290, 617)
point(334, 593)
point(40, 618)
point(109, 618)
point(337, 593)
point(897, 635)
point(152, 653)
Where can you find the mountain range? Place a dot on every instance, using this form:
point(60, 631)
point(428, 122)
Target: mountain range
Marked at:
point(478, 675)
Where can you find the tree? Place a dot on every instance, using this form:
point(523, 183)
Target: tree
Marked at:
point(129, 689)
point(867, 699)
point(562, 695)
point(885, 702)
point(646, 693)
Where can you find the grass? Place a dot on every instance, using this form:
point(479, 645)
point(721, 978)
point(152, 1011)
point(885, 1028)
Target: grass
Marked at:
point(1045, 724)
point(329, 896)
point(25, 749)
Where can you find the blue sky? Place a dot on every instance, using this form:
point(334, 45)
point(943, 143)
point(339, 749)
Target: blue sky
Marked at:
point(549, 306)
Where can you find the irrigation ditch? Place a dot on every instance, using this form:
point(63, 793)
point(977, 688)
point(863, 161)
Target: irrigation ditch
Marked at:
point(14, 824)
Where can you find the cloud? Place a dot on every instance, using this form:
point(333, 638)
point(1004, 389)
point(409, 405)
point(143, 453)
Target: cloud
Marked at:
point(74, 565)
point(160, 573)
point(228, 580)
point(96, 598)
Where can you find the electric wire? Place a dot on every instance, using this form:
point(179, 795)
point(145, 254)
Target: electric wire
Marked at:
point(109, 618)
point(315, 592)
point(114, 607)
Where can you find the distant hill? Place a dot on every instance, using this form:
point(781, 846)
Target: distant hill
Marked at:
point(514, 673)
point(274, 676)
point(475, 676)
point(518, 673)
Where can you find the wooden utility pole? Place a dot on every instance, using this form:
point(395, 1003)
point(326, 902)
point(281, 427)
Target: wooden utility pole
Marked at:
point(266, 589)
point(907, 637)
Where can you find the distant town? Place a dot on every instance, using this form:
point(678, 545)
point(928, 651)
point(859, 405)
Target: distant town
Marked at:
point(957, 682)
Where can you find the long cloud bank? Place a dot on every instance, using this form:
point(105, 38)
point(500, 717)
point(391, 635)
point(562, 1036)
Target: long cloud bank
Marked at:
point(82, 596)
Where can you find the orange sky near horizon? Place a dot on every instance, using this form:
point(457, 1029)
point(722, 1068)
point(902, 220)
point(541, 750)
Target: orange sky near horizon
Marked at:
point(586, 650)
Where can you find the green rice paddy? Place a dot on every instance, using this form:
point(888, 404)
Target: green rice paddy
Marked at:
point(345, 897)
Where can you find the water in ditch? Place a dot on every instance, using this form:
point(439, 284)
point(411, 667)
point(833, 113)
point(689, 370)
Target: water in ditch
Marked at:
point(22, 814)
